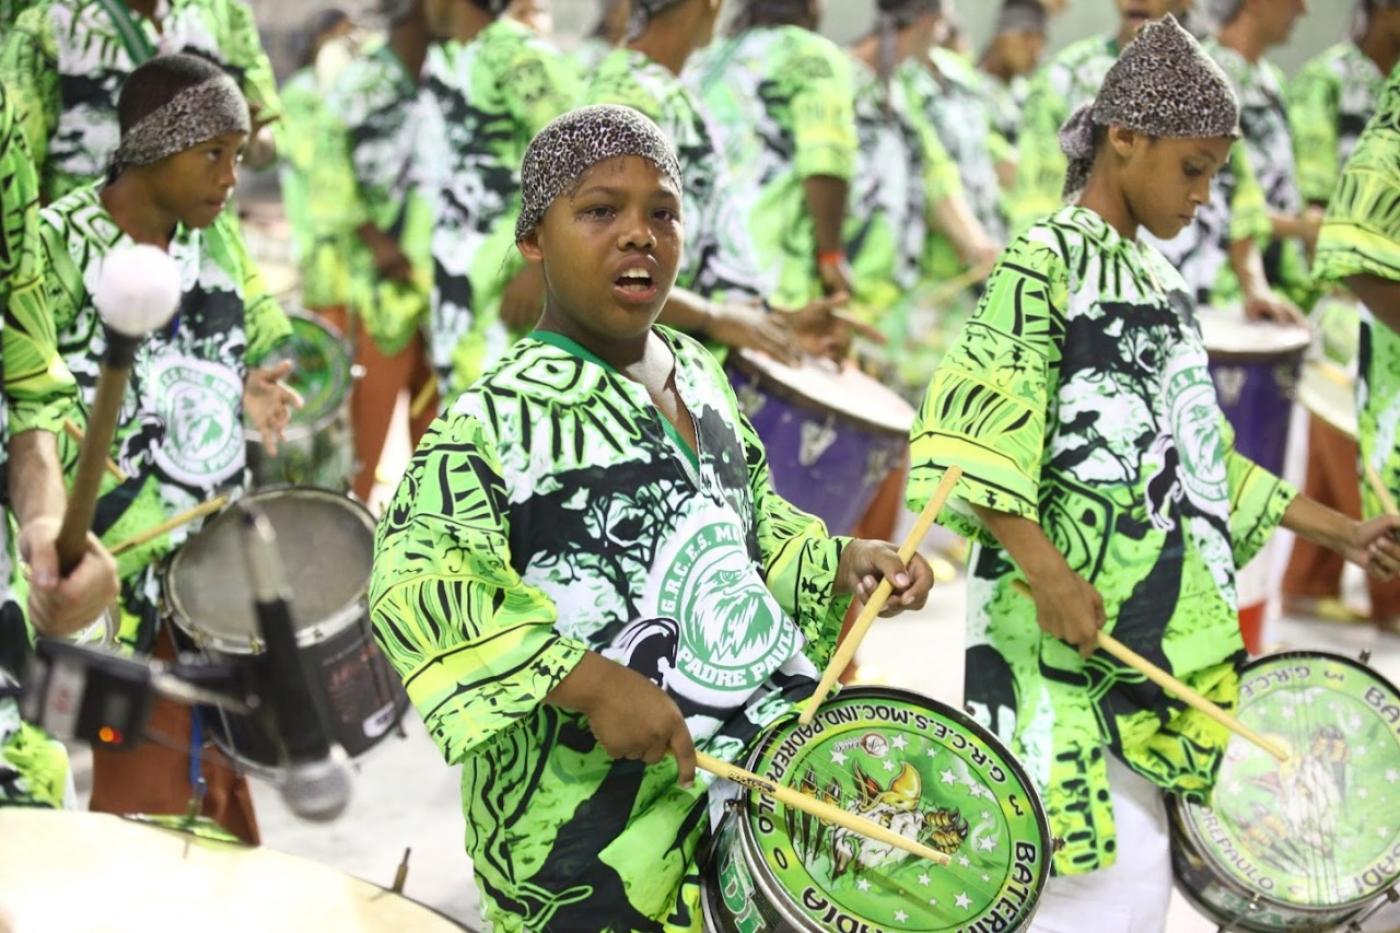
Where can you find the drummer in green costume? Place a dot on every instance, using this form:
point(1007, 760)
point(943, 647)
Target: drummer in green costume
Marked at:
point(491, 86)
point(783, 99)
point(586, 568)
point(65, 61)
point(1099, 469)
point(38, 394)
point(1360, 246)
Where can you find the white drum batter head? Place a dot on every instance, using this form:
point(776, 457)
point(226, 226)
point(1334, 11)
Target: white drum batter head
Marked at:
point(847, 392)
point(1228, 334)
point(1329, 392)
point(326, 541)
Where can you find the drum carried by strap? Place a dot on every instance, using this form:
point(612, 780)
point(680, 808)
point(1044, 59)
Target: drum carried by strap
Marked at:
point(832, 436)
point(328, 539)
point(318, 449)
point(93, 871)
point(1313, 842)
point(909, 763)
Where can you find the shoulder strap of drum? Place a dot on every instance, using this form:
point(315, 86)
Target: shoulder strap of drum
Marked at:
point(132, 36)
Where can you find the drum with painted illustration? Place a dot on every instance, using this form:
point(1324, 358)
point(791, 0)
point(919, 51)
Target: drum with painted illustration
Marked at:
point(327, 543)
point(1255, 367)
point(1313, 842)
point(62, 870)
point(832, 435)
point(318, 449)
point(912, 764)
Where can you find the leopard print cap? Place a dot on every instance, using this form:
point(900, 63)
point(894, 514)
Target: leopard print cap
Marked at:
point(195, 115)
point(1163, 85)
point(572, 144)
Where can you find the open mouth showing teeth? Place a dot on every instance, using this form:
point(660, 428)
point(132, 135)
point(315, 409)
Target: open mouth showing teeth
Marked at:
point(634, 280)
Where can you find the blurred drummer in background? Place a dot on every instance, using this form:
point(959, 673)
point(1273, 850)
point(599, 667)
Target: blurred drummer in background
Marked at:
point(782, 98)
point(1329, 103)
point(1013, 54)
point(65, 61)
point(490, 87)
point(610, 32)
point(39, 393)
point(571, 668)
point(1360, 246)
point(180, 440)
point(365, 201)
point(718, 294)
point(1099, 469)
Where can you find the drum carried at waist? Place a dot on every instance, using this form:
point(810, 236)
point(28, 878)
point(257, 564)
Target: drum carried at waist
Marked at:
point(832, 436)
point(1310, 843)
point(909, 763)
point(328, 542)
point(318, 448)
point(93, 871)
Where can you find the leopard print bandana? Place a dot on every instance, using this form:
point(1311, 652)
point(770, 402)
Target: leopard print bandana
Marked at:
point(195, 115)
point(580, 139)
point(1163, 85)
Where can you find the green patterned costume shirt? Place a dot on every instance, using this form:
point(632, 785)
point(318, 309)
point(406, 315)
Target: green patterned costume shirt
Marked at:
point(39, 393)
point(324, 279)
point(485, 100)
point(1329, 102)
point(555, 511)
point(783, 100)
point(1079, 397)
point(65, 61)
point(364, 174)
point(180, 437)
point(1361, 236)
point(718, 256)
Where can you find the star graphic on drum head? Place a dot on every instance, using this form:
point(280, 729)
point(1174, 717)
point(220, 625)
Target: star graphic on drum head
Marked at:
point(964, 861)
point(900, 916)
point(1391, 776)
point(899, 742)
point(948, 777)
point(838, 757)
point(889, 765)
point(986, 843)
point(863, 884)
point(963, 900)
point(924, 879)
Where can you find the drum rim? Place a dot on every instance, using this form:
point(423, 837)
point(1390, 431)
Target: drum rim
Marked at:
point(335, 411)
point(1180, 808)
point(743, 360)
point(1350, 429)
point(308, 635)
point(1011, 762)
point(1293, 347)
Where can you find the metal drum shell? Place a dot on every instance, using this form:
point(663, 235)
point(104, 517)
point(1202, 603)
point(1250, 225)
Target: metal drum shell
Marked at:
point(735, 837)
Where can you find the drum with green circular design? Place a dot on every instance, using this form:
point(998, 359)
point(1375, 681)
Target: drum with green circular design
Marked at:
point(318, 448)
point(911, 764)
point(1308, 843)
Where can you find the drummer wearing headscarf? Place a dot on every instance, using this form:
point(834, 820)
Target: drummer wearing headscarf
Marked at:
point(1100, 470)
point(586, 574)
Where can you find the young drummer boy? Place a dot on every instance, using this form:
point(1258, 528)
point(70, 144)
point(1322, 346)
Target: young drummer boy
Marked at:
point(1099, 470)
point(586, 573)
point(180, 439)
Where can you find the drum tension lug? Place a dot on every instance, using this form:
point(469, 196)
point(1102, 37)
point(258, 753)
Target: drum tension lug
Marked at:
point(1057, 844)
point(1365, 656)
point(401, 873)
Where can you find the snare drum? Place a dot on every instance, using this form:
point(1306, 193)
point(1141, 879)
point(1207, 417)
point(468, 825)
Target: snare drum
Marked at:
point(1307, 844)
point(61, 870)
point(1255, 369)
point(318, 449)
point(912, 764)
point(327, 543)
point(832, 436)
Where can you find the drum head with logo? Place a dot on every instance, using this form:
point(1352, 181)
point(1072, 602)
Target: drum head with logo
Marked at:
point(327, 545)
point(1321, 830)
point(924, 770)
point(321, 374)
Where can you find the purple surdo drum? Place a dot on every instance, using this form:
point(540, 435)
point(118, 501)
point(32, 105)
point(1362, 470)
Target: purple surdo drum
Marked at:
point(1255, 368)
point(832, 435)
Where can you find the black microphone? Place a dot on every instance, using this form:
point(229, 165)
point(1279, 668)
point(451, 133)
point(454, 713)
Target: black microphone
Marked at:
point(317, 784)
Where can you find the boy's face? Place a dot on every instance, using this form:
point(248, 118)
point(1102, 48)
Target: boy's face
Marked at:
point(1166, 180)
point(195, 185)
point(611, 248)
point(1022, 50)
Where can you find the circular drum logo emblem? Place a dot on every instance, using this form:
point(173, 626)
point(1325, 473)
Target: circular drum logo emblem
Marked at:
point(199, 403)
point(733, 634)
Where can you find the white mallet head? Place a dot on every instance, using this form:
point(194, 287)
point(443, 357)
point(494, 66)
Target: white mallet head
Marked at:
point(138, 289)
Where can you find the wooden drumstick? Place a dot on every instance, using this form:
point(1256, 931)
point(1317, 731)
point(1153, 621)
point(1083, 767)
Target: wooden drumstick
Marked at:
point(822, 810)
point(847, 649)
point(137, 290)
point(1382, 492)
point(424, 396)
point(1167, 682)
point(76, 433)
point(950, 289)
point(170, 524)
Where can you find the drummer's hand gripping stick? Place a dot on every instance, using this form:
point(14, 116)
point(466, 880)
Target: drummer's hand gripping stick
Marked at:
point(820, 809)
point(847, 649)
point(138, 289)
point(1167, 682)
